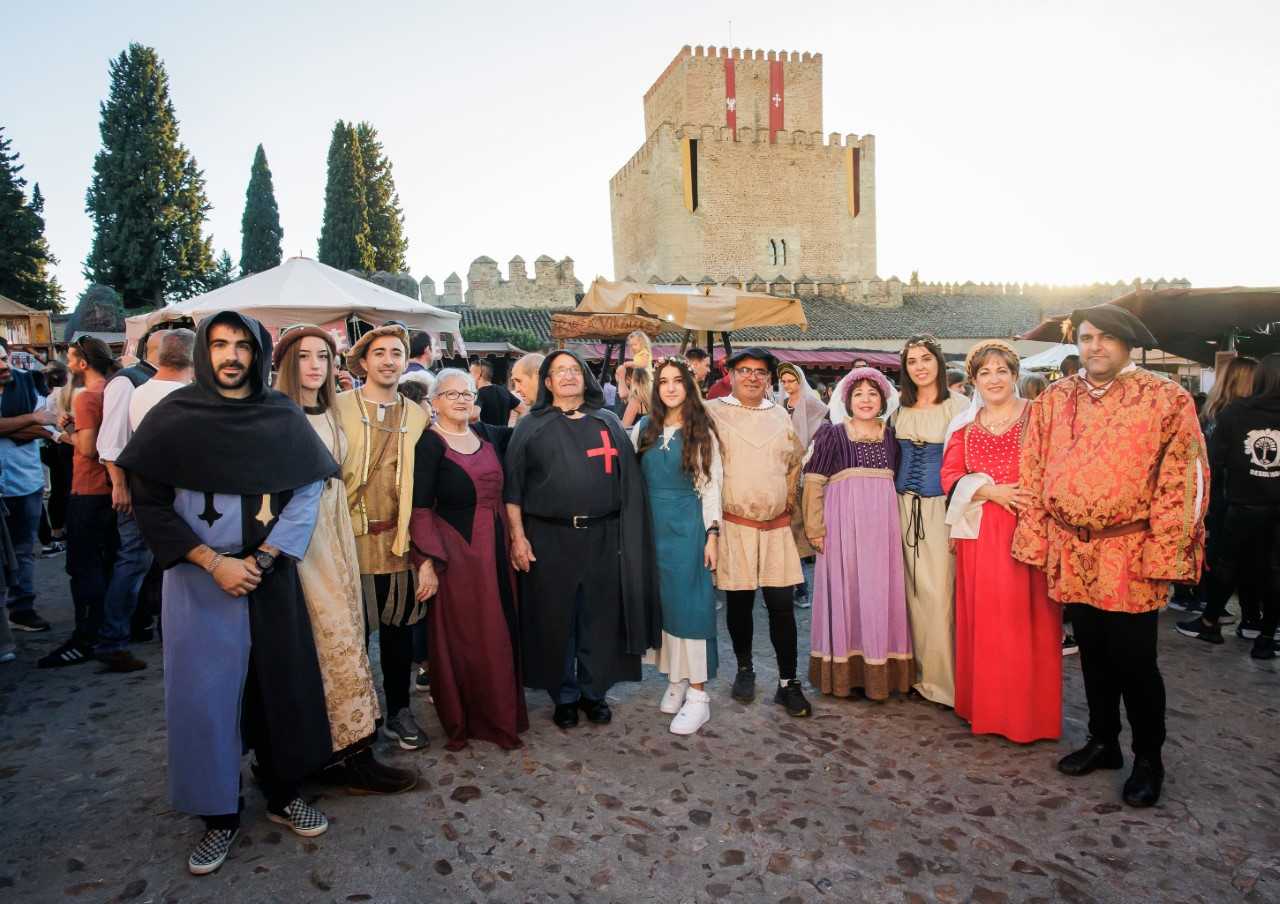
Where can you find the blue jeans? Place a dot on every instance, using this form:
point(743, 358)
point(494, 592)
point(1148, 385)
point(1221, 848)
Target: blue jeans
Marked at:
point(575, 670)
point(133, 559)
point(23, 521)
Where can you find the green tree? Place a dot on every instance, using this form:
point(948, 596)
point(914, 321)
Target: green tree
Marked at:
point(521, 339)
point(147, 198)
point(386, 219)
point(25, 259)
point(223, 272)
point(344, 235)
point(260, 231)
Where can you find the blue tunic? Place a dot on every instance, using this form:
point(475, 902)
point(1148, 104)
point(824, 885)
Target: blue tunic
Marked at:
point(206, 651)
point(687, 594)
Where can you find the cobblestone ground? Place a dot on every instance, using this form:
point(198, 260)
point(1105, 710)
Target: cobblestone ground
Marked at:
point(861, 802)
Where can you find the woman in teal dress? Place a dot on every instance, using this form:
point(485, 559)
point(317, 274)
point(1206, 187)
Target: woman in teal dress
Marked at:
point(680, 457)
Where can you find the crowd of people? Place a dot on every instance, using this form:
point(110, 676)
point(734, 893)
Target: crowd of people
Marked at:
point(286, 509)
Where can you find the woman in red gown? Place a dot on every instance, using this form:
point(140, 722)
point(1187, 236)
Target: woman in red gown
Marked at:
point(1008, 631)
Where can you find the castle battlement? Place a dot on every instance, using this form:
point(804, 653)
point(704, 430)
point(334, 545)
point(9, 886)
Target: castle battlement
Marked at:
point(732, 53)
point(553, 285)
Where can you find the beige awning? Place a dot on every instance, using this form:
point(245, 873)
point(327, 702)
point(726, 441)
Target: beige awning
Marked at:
point(719, 308)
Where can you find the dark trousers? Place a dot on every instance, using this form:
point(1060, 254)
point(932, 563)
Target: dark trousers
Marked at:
point(420, 642)
point(1250, 543)
point(395, 647)
point(780, 605)
point(91, 554)
point(1118, 660)
point(22, 522)
point(576, 674)
point(57, 456)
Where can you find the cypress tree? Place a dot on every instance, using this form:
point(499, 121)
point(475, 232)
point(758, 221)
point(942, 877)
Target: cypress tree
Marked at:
point(260, 231)
point(344, 235)
point(25, 258)
point(147, 198)
point(386, 219)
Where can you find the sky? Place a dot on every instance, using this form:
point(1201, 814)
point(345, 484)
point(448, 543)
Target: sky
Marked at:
point(1056, 143)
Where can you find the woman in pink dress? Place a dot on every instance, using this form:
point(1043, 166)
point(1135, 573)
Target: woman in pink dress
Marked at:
point(1008, 631)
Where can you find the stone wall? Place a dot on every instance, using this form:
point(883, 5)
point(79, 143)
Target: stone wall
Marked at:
point(692, 89)
point(553, 285)
point(752, 196)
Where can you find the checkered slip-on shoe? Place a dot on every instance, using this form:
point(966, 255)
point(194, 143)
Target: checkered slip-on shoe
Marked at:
point(211, 851)
point(302, 818)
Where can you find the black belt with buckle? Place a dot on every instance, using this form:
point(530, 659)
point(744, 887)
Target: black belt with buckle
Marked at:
point(577, 522)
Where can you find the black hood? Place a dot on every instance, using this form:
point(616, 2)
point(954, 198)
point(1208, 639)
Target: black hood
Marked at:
point(592, 396)
point(259, 368)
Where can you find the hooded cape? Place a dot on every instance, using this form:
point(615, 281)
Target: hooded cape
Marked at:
point(642, 613)
point(198, 439)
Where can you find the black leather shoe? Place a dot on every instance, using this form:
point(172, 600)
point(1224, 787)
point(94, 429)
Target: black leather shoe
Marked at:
point(1093, 755)
point(1142, 789)
point(566, 715)
point(744, 686)
point(597, 711)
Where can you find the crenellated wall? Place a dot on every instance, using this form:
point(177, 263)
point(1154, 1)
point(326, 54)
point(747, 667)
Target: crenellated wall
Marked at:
point(553, 285)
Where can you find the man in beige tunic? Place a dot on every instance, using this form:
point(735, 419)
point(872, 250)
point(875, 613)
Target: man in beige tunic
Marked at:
point(762, 457)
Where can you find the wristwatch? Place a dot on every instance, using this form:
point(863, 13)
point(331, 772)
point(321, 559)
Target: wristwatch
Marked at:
point(265, 560)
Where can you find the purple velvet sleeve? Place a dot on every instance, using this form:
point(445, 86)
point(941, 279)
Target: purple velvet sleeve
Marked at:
point(826, 458)
point(892, 450)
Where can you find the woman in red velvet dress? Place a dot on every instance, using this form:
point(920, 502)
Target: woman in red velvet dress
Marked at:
point(1008, 631)
point(459, 539)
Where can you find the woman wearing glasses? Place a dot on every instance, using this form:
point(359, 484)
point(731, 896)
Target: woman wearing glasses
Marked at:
point(920, 425)
point(330, 575)
point(459, 537)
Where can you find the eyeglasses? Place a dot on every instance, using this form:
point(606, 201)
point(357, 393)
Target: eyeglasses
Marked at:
point(560, 373)
point(758, 373)
point(454, 395)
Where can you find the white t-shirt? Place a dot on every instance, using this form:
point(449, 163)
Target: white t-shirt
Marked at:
point(146, 397)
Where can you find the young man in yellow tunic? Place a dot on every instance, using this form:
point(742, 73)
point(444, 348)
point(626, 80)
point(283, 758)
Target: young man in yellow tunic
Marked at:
point(762, 457)
point(1115, 485)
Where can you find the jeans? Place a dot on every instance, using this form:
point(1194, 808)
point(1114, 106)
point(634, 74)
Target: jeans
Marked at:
point(23, 521)
point(91, 554)
point(575, 670)
point(133, 559)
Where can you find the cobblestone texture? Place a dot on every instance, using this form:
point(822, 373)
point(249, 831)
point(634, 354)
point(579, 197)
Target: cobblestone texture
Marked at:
point(861, 802)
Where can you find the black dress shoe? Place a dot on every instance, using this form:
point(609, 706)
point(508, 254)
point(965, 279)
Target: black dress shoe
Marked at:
point(566, 715)
point(744, 686)
point(597, 711)
point(1093, 755)
point(1142, 789)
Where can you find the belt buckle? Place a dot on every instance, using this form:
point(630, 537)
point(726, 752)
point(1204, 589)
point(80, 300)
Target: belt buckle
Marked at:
point(1084, 535)
point(576, 525)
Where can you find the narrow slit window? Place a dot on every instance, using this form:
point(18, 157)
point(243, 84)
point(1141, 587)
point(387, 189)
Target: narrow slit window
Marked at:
point(773, 253)
point(784, 252)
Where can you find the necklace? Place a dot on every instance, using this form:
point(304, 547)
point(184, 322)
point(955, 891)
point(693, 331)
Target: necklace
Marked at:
point(450, 432)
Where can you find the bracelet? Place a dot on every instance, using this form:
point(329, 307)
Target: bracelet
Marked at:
point(713, 529)
point(214, 563)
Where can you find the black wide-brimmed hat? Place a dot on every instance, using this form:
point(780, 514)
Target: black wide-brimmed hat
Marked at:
point(1118, 321)
point(760, 354)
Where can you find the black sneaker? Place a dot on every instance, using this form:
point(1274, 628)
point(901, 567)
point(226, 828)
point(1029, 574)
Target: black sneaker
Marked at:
point(1069, 645)
point(744, 686)
point(70, 653)
point(1263, 648)
point(1248, 630)
point(422, 681)
point(1196, 627)
point(56, 548)
point(212, 850)
point(792, 697)
point(403, 728)
point(28, 621)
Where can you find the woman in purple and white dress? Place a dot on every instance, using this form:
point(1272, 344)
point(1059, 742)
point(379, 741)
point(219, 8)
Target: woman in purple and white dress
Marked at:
point(861, 638)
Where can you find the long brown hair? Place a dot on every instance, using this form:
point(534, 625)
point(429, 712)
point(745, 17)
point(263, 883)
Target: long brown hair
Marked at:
point(287, 375)
point(909, 394)
point(1236, 383)
point(699, 432)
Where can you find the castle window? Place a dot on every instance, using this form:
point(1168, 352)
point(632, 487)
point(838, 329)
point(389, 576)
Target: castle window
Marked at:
point(784, 252)
point(773, 253)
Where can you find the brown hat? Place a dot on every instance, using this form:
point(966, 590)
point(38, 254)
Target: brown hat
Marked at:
point(290, 335)
point(1119, 322)
point(355, 357)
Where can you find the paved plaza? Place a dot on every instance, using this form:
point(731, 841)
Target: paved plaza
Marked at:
point(861, 802)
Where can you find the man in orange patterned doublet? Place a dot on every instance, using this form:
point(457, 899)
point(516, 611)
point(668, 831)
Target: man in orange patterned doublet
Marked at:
point(1115, 465)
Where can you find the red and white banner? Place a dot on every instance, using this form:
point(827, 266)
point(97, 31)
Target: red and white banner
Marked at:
point(775, 99)
point(730, 95)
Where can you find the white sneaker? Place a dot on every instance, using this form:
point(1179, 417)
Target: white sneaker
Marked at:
point(674, 697)
point(695, 713)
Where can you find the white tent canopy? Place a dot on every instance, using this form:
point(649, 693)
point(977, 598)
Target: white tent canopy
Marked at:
point(1049, 359)
point(302, 290)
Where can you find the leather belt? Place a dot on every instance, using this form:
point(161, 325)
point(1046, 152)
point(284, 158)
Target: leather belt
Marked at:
point(782, 520)
point(1088, 534)
point(577, 522)
point(381, 527)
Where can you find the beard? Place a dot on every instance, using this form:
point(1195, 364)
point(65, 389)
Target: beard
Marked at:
point(226, 381)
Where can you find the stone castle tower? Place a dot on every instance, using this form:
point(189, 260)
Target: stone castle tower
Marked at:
point(736, 181)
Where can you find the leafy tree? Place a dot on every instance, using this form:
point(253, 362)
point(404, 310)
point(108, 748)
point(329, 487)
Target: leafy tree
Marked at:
point(25, 259)
point(344, 235)
point(260, 231)
point(386, 219)
point(521, 339)
point(147, 198)
point(223, 273)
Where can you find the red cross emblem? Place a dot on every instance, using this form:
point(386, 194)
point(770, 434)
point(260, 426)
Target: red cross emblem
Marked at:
point(605, 449)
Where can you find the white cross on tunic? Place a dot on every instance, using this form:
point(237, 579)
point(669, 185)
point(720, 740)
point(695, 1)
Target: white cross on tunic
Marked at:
point(777, 100)
point(731, 103)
